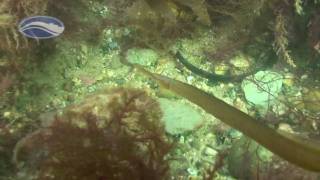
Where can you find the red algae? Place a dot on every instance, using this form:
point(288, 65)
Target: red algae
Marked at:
point(114, 134)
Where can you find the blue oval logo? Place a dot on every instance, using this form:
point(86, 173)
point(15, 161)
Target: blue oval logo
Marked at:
point(41, 27)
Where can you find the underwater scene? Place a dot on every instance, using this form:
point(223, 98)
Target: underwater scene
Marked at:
point(159, 90)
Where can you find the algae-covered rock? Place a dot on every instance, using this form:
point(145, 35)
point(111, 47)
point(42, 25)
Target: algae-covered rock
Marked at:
point(146, 57)
point(246, 158)
point(241, 63)
point(262, 87)
point(311, 100)
point(178, 117)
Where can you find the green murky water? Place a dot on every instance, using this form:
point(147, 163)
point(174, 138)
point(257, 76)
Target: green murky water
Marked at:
point(72, 107)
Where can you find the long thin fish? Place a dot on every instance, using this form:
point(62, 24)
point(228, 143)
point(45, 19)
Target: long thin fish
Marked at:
point(295, 149)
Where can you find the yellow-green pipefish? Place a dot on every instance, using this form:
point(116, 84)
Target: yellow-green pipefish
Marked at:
point(295, 149)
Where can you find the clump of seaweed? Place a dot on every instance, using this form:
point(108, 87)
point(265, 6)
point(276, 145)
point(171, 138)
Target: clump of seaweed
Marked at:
point(6, 80)
point(81, 21)
point(314, 36)
point(70, 12)
point(281, 36)
point(157, 24)
point(7, 142)
point(114, 134)
point(11, 12)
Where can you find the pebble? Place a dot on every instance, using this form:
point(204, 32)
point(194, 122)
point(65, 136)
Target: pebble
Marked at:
point(192, 171)
point(190, 79)
point(6, 114)
point(305, 76)
point(285, 127)
point(210, 151)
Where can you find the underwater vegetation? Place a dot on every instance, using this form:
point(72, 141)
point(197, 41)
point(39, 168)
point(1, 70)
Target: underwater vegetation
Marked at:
point(277, 26)
point(114, 134)
point(46, 132)
point(280, 28)
point(298, 150)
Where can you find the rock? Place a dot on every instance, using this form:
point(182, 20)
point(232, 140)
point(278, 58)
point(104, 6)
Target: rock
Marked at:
point(221, 69)
point(262, 88)
point(235, 134)
point(145, 57)
point(245, 157)
point(239, 104)
point(192, 171)
point(190, 79)
point(241, 63)
point(311, 100)
point(280, 109)
point(285, 127)
point(210, 151)
point(289, 79)
point(178, 117)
